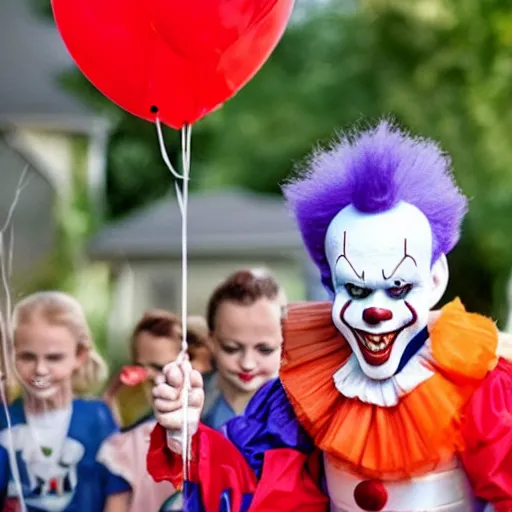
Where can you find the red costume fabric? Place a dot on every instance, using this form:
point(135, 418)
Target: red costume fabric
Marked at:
point(289, 480)
point(488, 433)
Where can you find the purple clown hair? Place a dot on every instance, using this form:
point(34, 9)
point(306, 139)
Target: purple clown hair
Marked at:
point(374, 171)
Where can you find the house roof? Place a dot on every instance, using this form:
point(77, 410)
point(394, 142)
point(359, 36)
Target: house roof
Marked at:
point(220, 223)
point(32, 56)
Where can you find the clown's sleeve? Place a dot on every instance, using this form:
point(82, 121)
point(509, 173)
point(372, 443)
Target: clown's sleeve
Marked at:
point(488, 434)
point(247, 468)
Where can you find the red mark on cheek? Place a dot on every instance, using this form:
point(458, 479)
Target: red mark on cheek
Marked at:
point(342, 312)
point(414, 315)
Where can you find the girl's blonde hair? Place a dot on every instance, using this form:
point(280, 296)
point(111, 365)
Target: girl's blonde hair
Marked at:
point(59, 308)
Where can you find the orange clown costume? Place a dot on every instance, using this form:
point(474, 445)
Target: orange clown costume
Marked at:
point(397, 456)
point(375, 408)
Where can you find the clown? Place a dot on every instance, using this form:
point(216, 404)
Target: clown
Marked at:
point(380, 405)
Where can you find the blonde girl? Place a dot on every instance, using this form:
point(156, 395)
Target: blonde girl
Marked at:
point(54, 435)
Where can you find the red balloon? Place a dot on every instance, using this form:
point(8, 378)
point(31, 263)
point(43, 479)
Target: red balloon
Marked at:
point(179, 59)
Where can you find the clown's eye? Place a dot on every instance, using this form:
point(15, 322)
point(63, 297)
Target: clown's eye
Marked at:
point(399, 292)
point(357, 292)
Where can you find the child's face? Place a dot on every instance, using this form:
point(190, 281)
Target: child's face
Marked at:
point(154, 352)
point(46, 359)
point(247, 343)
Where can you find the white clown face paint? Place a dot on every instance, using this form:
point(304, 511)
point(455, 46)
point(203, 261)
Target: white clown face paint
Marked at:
point(383, 281)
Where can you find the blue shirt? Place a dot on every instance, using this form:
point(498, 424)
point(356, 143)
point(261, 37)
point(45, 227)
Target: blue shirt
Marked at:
point(219, 413)
point(80, 483)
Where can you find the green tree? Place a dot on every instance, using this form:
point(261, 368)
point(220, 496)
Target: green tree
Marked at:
point(442, 69)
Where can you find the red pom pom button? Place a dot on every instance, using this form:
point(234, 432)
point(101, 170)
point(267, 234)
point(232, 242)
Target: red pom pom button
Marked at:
point(371, 495)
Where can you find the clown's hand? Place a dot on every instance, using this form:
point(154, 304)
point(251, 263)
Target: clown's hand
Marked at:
point(168, 402)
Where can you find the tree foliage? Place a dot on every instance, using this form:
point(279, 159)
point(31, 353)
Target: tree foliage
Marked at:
point(442, 69)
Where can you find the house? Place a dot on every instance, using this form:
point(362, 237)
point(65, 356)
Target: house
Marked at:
point(227, 230)
point(45, 130)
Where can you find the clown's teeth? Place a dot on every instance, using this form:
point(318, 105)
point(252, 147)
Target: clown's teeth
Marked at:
point(375, 347)
point(377, 342)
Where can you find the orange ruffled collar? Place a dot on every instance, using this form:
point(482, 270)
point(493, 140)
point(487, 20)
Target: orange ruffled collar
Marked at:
point(410, 438)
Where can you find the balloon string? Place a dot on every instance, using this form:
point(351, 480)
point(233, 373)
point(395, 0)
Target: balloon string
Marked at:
point(163, 151)
point(6, 332)
point(186, 133)
point(182, 196)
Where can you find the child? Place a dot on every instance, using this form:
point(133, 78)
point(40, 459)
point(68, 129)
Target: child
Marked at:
point(55, 436)
point(156, 341)
point(244, 319)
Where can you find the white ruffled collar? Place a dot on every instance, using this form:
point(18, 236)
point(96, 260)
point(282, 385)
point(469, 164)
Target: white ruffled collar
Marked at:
point(352, 382)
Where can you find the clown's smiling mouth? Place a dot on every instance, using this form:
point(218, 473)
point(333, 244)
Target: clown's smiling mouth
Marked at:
point(376, 348)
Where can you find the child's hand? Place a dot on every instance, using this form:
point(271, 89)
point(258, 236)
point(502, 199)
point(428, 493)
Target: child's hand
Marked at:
point(168, 400)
